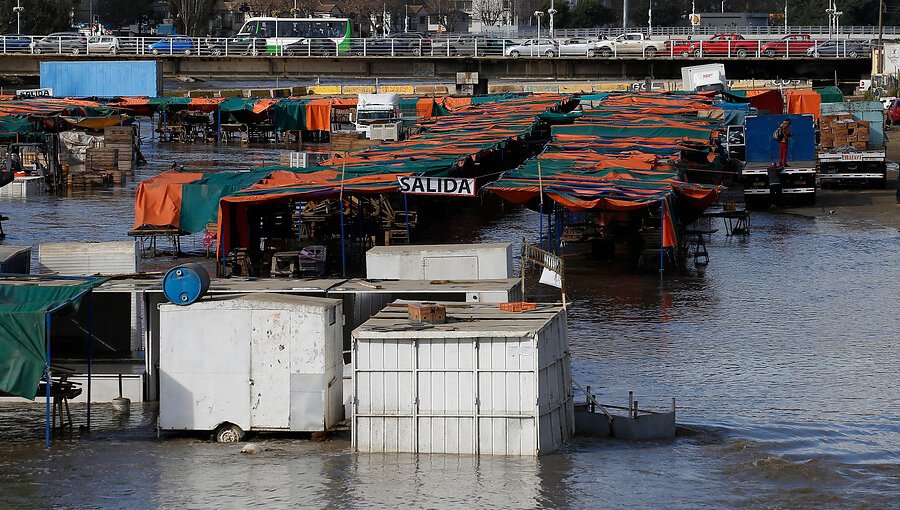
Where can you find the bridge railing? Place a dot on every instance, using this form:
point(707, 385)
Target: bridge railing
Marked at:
point(810, 46)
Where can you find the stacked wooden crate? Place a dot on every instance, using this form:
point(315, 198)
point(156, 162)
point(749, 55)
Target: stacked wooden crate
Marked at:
point(348, 142)
point(843, 130)
point(121, 138)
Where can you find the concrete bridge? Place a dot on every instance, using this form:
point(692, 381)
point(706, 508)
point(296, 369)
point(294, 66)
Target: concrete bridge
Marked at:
point(445, 68)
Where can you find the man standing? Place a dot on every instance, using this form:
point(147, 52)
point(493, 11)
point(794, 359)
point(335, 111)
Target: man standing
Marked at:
point(783, 135)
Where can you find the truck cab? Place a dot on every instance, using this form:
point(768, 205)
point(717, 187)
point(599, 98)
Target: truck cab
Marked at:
point(375, 109)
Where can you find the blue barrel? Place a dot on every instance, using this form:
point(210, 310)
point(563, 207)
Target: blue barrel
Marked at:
point(185, 284)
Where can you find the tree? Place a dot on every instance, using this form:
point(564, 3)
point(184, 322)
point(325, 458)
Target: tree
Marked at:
point(193, 15)
point(591, 13)
point(489, 11)
point(39, 16)
point(117, 13)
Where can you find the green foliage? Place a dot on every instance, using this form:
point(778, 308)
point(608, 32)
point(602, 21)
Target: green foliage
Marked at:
point(39, 17)
point(117, 13)
point(591, 13)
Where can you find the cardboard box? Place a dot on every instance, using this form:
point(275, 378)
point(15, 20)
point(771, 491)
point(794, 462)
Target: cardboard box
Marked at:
point(427, 312)
point(860, 145)
point(862, 136)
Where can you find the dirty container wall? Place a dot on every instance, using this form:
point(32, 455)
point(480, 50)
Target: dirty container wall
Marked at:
point(417, 391)
point(440, 262)
point(86, 259)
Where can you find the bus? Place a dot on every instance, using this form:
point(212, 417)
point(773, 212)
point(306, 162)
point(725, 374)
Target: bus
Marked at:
point(280, 32)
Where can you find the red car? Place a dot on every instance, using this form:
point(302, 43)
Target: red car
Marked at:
point(680, 47)
point(728, 45)
point(789, 45)
point(893, 114)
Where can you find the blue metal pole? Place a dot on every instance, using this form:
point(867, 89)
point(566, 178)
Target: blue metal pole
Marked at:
point(219, 130)
point(90, 349)
point(406, 208)
point(343, 244)
point(47, 374)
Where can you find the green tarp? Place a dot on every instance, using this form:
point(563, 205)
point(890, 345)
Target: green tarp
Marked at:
point(200, 198)
point(830, 94)
point(236, 104)
point(290, 114)
point(11, 126)
point(23, 311)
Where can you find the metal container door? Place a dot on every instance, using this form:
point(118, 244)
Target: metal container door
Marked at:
point(270, 382)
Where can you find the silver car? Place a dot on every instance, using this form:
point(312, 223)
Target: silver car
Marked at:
point(103, 44)
point(578, 47)
point(534, 48)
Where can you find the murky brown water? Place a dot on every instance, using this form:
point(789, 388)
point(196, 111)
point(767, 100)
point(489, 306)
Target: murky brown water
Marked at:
point(783, 354)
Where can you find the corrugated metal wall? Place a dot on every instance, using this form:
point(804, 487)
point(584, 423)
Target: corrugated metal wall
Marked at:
point(494, 396)
point(102, 78)
point(87, 259)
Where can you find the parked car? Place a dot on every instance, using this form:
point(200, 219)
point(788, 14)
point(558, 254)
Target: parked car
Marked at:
point(241, 45)
point(534, 48)
point(727, 45)
point(631, 44)
point(470, 46)
point(893, 113)
point(12, 43)
point(172, 45)
point(840, 48)
point(103, 44)
point(579, 47)
point(793, 45)
point(681, 47)
point(396, 44)
point(60, 42)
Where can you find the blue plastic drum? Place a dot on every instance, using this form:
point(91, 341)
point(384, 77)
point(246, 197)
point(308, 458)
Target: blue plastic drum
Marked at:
point(185, 284)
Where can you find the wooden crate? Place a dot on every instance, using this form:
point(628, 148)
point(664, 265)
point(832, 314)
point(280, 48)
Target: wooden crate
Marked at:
point(431, 313)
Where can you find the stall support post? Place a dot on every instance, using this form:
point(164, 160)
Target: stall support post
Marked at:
point(47, 375)
point(662, 235)
point(219, 127)
point(541, 209)
point(341, 202)
point(406, 208)
point(90, 311)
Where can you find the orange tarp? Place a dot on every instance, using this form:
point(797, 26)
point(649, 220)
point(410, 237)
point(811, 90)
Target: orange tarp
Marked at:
point(803, 101)
point(424, 108)
point(205, 104)
point(318, 115)
point(263, 104)
point(158, 199)
point(452, 103)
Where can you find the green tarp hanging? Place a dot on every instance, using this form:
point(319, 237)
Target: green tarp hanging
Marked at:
point(11, 126)
point(830, 94)
point(290, 114)
point(200, 199)
point(236, 104)
point(169, 103)
point(23, 334)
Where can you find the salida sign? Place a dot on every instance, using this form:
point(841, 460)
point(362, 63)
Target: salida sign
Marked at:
point(417, 185)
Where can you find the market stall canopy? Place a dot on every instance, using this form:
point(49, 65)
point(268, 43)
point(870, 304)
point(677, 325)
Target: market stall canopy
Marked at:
point(23, 312)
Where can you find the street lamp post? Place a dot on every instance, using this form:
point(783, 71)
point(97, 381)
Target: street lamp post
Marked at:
point(552, 11)
point(650, 17)
point(538, 15)
point(18, 10)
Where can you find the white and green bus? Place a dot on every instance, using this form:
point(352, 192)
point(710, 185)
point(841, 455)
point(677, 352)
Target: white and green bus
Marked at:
point(280, 32)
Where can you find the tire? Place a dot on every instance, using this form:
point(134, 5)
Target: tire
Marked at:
point(254, 52)
point(698, 53)
point(650, 52)
point(216, 52)
point(853, 54)
point(37, 51)
point(229, 433)
point(770, 53)
point(742, 53)
point(514, 53)
point(605, 52)
point(187, 52)
point(591, 53)
point(550, 54)
point(155, 51)
point(417, 52)
point(685, 54)
point(75, 51)
point(113, 51)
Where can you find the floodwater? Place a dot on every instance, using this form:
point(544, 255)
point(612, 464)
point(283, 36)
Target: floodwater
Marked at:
point(782, 354)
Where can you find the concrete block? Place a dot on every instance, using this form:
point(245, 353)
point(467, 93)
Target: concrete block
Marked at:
point(575, 88)
point(202, 93)
point(546, 89)
point(358, 89)
point(429, 90)
point(611, 87)
point(396, 89)
point(231, 93)
point(324, 90)
point(260, 93)
point(298, 91)
point(281, 92)
point(500, 88)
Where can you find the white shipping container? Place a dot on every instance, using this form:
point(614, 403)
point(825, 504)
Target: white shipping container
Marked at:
point(440, 262)
point(87, 259)
point(486, 382)
point(24, 187)
point(260, 362)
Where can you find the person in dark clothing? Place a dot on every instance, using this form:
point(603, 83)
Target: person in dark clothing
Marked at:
point(783, 135)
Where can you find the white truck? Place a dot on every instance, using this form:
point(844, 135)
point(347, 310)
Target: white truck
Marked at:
point(631, 44)
point(704, 78)
point(375, 109)
point(858, 161)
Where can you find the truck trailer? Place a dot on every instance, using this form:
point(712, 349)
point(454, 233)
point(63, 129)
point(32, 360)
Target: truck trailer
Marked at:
point(851, 144)
point(767, 183)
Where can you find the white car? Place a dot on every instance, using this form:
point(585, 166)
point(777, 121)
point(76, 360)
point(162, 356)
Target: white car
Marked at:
point(578, 47)
point(103, 44)
point(534, 48)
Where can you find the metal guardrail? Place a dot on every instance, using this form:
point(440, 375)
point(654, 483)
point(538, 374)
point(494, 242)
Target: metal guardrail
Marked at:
point(890, 31)
point(463, 46)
